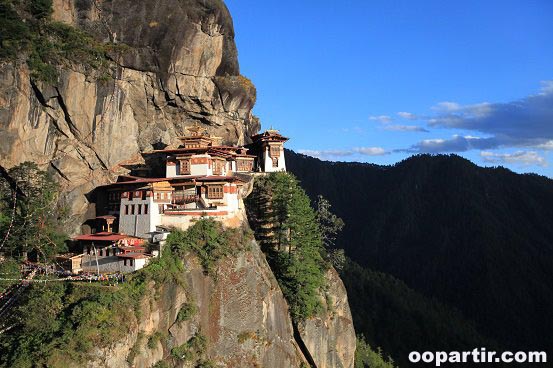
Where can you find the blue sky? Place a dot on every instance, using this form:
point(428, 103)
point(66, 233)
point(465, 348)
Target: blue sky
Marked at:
point(377, 81)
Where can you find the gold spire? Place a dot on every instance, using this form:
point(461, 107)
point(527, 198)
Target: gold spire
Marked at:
point(195, 130)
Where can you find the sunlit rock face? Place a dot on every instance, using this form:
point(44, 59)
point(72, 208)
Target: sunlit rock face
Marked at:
point(240, 310)
point(179, 66)
point(330, 337)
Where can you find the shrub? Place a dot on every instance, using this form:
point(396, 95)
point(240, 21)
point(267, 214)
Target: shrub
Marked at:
point(154, 339)
point(365, 357)
point(26, 29)
point(187, 311)
point(209, 240)
point(192, 350)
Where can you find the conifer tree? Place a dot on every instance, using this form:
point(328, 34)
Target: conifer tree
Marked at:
point(30, 218)
point(294, 247)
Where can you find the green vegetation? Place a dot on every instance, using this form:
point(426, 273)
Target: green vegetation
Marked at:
point(161, 364)
point(476, 239)
point(330, 226)
point(26, 29)
point(30, 215)
point(186, 312)
point(281, 215)
point(9, 269)
point(401, 320)
point(209, 240)
point(154, 339)
point(63, 322)
point(365, 357)
point(191, 351)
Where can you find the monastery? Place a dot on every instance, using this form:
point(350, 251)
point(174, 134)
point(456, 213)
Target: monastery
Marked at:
point(201, 179)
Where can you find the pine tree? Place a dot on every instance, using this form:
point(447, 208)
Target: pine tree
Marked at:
point(31, 218)
point(294, 248)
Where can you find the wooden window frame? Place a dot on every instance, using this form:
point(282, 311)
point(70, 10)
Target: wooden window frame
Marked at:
point(274, 151)
point(244, 165)
point(215, 192)
point(218, 166)
point(184, 167)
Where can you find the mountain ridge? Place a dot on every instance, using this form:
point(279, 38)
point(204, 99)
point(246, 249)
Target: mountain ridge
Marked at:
point(475, 238)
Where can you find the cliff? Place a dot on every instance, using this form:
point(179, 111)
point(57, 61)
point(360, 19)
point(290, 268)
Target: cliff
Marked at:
point(241, 313)
point(176, 314)
point(168, 64)
point(243, 316)
point(177, 65)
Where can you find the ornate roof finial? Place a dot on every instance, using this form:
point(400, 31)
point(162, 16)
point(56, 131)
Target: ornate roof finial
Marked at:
point(195, 129)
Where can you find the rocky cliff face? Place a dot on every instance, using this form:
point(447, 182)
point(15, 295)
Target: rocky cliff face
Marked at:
point(179, 66)
point(330, 338)
point(244, 317)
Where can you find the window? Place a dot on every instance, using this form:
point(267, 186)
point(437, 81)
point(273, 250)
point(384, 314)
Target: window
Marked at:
point(145, 209)
point(244, 165)
point(218, 167)
point(144, 194)
point(275, 151)
point(132, 209)
point(130, 262)
point(275, 162)
point(139, 210)
point(101, 252)
point(124, 261)
point(215, 192)
point(126, 209)
point(131, 196)
point(184, 167)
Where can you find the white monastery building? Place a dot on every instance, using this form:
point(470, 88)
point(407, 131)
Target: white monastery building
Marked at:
point(202, 179)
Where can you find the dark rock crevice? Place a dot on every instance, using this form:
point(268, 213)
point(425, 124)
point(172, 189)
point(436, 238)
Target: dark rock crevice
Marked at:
point(59, 172)
point(67, 116)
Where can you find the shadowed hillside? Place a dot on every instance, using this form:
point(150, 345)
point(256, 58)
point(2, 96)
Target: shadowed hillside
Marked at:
point(478, 239)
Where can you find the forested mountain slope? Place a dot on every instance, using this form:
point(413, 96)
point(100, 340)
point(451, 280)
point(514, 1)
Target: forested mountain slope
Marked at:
point(478, 239)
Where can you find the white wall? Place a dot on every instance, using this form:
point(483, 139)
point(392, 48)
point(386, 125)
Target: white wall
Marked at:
point(139, 225)
point(170, 171)
point(268, 162)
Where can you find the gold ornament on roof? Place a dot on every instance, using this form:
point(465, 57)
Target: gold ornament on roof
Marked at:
point(195, 130)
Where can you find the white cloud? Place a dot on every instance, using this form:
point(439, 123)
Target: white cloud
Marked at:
point(546, 87)
point(325, 153)
point(547, 146)
point(407, 115)
point(529, 119)
point(405, 128)
point(521, 158)
point(370, 151)
point(381, 118)
point(457, 143)
point(329, 154)
point(525, 123)
point(447, 106)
